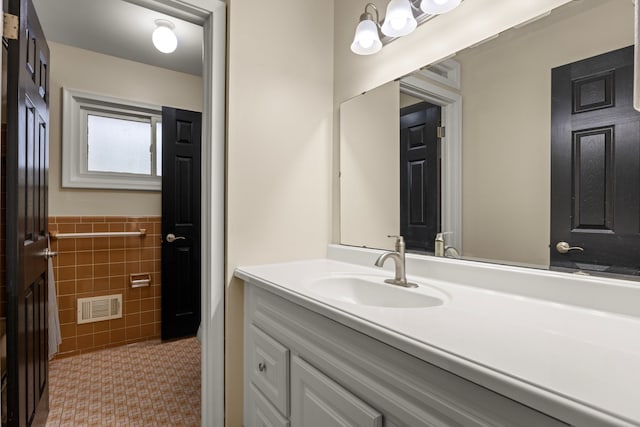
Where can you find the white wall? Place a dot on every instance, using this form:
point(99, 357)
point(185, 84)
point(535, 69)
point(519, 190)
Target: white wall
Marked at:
point(408, 100)
point(279, 134)
point(93, 72)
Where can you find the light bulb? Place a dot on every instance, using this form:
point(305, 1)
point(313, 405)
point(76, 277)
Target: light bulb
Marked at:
point(436, 7)
point(398, 23)
point(399, 20)
point(366, 40)
point(163, 37)
point(365, 43)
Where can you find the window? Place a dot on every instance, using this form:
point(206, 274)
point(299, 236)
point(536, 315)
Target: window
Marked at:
point(110, 143)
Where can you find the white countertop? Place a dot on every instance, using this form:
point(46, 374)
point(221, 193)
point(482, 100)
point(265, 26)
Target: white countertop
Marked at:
point(578, 364)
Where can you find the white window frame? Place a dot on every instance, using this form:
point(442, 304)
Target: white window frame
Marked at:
point(76, 106)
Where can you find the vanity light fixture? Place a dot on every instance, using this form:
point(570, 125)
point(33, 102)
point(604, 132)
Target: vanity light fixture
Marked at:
point(403, 16)
point(163, 37)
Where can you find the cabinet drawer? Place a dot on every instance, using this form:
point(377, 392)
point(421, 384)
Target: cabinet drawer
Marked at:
point(268, 366)
point(318, 401)
point(261, 413)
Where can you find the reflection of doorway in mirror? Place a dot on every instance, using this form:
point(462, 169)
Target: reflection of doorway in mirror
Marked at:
point(421, 87)
point(370, 160)
point(419, 174)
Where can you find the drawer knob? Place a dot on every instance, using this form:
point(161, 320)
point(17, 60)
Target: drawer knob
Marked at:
point(262, 367)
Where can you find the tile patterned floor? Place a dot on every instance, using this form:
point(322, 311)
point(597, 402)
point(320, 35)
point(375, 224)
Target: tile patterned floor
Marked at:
point(144, 384)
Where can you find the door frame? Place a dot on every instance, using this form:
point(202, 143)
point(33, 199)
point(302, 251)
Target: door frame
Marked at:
point(451, 183)
point(211, 15)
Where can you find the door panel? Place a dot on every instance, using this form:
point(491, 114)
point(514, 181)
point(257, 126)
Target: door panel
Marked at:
point(595, 165)
point(419, 175)
point(593, 177)
point(27, 164)
point(181, 140)
point(318, 401)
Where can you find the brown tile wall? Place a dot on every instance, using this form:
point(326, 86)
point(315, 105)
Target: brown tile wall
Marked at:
point(87, 267)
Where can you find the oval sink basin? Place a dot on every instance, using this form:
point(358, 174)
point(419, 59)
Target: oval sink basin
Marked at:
point(371, 292)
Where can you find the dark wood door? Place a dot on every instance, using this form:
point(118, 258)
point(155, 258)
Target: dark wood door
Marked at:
point(26, 242)
point(420, 175)
point(595, 165)
point(181, 140)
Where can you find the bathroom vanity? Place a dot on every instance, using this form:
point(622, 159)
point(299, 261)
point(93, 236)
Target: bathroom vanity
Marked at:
point(328, 343)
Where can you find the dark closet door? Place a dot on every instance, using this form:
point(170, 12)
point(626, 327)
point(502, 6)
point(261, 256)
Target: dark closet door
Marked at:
point(27, 165)
point(181, 140)
point(595, 165)
point(420, 175)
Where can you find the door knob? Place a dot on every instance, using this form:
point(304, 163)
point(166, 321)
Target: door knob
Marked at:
point(172, 238)
point(48, 253)
point(564, 247)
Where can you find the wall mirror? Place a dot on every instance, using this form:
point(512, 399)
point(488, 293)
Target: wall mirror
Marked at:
point(538, 163)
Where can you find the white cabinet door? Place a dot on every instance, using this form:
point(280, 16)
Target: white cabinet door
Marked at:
point(318, 401)
point(268, 368)
point(261, 413)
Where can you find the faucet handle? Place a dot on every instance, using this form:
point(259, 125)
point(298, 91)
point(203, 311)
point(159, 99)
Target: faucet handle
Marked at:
point(399, 242)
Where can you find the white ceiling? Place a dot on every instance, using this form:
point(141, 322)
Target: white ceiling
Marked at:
point(119, 28)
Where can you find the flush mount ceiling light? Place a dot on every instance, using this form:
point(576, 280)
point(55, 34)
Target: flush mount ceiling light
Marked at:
point(367, 40)
point(437, 7)
point(403, 16)
point(163, 37)
point(399, 20)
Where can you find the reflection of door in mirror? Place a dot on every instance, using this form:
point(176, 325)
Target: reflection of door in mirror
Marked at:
point(595, 165)
point(420, 175)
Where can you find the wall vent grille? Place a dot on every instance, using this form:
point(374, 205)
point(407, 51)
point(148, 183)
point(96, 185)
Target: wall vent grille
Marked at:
point(95, 309)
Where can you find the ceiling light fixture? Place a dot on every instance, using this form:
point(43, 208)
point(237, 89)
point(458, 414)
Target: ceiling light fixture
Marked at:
point(163, 37)
point(403, 16)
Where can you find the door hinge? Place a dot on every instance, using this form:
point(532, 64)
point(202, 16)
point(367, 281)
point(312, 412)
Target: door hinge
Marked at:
point(11, 25)
point(441, 131)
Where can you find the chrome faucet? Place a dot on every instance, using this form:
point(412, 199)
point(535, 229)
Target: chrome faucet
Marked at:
point(443, 250)
point(400, 278)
